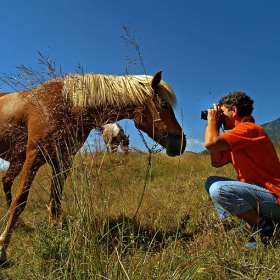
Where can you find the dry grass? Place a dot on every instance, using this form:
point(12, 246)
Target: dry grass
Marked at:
point(175, 235)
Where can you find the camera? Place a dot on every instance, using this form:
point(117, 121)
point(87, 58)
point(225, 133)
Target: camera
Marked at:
point(204, 115)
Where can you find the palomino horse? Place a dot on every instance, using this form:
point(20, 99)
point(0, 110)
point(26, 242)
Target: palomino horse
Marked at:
point(114, 136)
point(51, 122)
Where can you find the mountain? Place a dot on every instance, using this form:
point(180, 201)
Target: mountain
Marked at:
point(273, 131)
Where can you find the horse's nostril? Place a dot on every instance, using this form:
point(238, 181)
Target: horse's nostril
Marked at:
point(175, 147)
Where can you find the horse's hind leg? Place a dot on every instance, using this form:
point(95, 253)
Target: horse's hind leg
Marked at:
point(8, 180)
point(19, 202)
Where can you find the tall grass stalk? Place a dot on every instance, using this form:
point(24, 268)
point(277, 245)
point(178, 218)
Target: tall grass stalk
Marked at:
point(176, 235)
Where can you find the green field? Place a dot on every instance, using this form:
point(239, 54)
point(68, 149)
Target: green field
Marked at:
point(124, 219)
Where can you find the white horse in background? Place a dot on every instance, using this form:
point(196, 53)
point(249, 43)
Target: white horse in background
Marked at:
point(114, 136)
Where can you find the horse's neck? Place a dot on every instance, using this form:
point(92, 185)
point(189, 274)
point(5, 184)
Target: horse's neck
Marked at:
point(110, 115)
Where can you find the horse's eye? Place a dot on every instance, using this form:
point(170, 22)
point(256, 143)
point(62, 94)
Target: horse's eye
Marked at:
point(164, 104)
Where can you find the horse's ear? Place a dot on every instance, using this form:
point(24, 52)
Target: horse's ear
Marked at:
point(156, 80)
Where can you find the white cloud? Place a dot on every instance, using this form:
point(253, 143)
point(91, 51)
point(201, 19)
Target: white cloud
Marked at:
point(195, 145)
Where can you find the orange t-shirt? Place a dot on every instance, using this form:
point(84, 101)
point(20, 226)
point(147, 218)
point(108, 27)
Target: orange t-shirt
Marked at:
point(254, 157)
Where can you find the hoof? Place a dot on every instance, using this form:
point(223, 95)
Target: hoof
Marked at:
point(3, 255)
point(4, 264)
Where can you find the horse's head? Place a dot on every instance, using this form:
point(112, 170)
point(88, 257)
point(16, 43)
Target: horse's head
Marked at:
point(125, 140)
point(124, 144)
point(158, 120)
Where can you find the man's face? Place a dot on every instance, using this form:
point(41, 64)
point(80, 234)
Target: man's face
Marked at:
point(227, 117)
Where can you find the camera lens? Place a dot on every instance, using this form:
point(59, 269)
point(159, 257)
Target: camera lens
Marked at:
point(204, 115)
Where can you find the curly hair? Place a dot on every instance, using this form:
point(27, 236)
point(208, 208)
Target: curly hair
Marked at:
point(240, 100)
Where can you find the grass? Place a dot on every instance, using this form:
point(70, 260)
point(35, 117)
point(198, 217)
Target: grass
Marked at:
point(175, 234)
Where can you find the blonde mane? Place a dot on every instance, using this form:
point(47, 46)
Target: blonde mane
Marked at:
point(99, 90)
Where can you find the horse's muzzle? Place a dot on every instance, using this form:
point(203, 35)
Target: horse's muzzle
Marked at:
point(176, 145)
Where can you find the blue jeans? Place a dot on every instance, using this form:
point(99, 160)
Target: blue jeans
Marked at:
point(232, 197)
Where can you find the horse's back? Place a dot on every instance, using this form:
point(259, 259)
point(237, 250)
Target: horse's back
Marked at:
point(111, 133)
point(115, 129)
point(21, 114)
point(112, 129)
point(4, 93)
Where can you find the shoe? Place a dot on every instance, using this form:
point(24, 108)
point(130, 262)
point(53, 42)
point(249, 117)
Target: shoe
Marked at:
point(251, 245)
point(267, 233)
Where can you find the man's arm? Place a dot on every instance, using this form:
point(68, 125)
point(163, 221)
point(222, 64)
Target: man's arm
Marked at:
point(215, 142)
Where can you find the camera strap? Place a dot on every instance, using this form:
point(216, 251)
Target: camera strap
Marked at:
point(248, 119)
point(252, 121)
point(245, 119)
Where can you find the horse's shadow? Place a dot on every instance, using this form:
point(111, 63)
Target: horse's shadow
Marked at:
point(3, 277)
point(130, 233)
point(123, 232)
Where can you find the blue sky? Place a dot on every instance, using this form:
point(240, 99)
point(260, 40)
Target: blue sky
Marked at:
point(204, 48)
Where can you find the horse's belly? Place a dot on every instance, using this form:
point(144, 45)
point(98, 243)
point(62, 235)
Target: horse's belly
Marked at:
point(11, 142)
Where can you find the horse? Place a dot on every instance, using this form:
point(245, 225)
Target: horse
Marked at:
point(51, 122)
point(114, 136)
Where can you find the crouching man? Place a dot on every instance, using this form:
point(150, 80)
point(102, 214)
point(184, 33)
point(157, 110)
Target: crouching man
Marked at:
point(255, 196)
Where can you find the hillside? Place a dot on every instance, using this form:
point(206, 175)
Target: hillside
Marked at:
point(273, 131)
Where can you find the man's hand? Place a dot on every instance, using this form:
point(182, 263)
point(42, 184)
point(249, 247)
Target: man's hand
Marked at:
point(214, 114)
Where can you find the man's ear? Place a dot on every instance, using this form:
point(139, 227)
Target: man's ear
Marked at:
point(235, 111)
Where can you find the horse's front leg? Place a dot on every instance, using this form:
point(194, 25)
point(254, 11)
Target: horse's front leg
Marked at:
point(114, 146)
point(59, 176)
point(28, 173)
point(108, 147)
